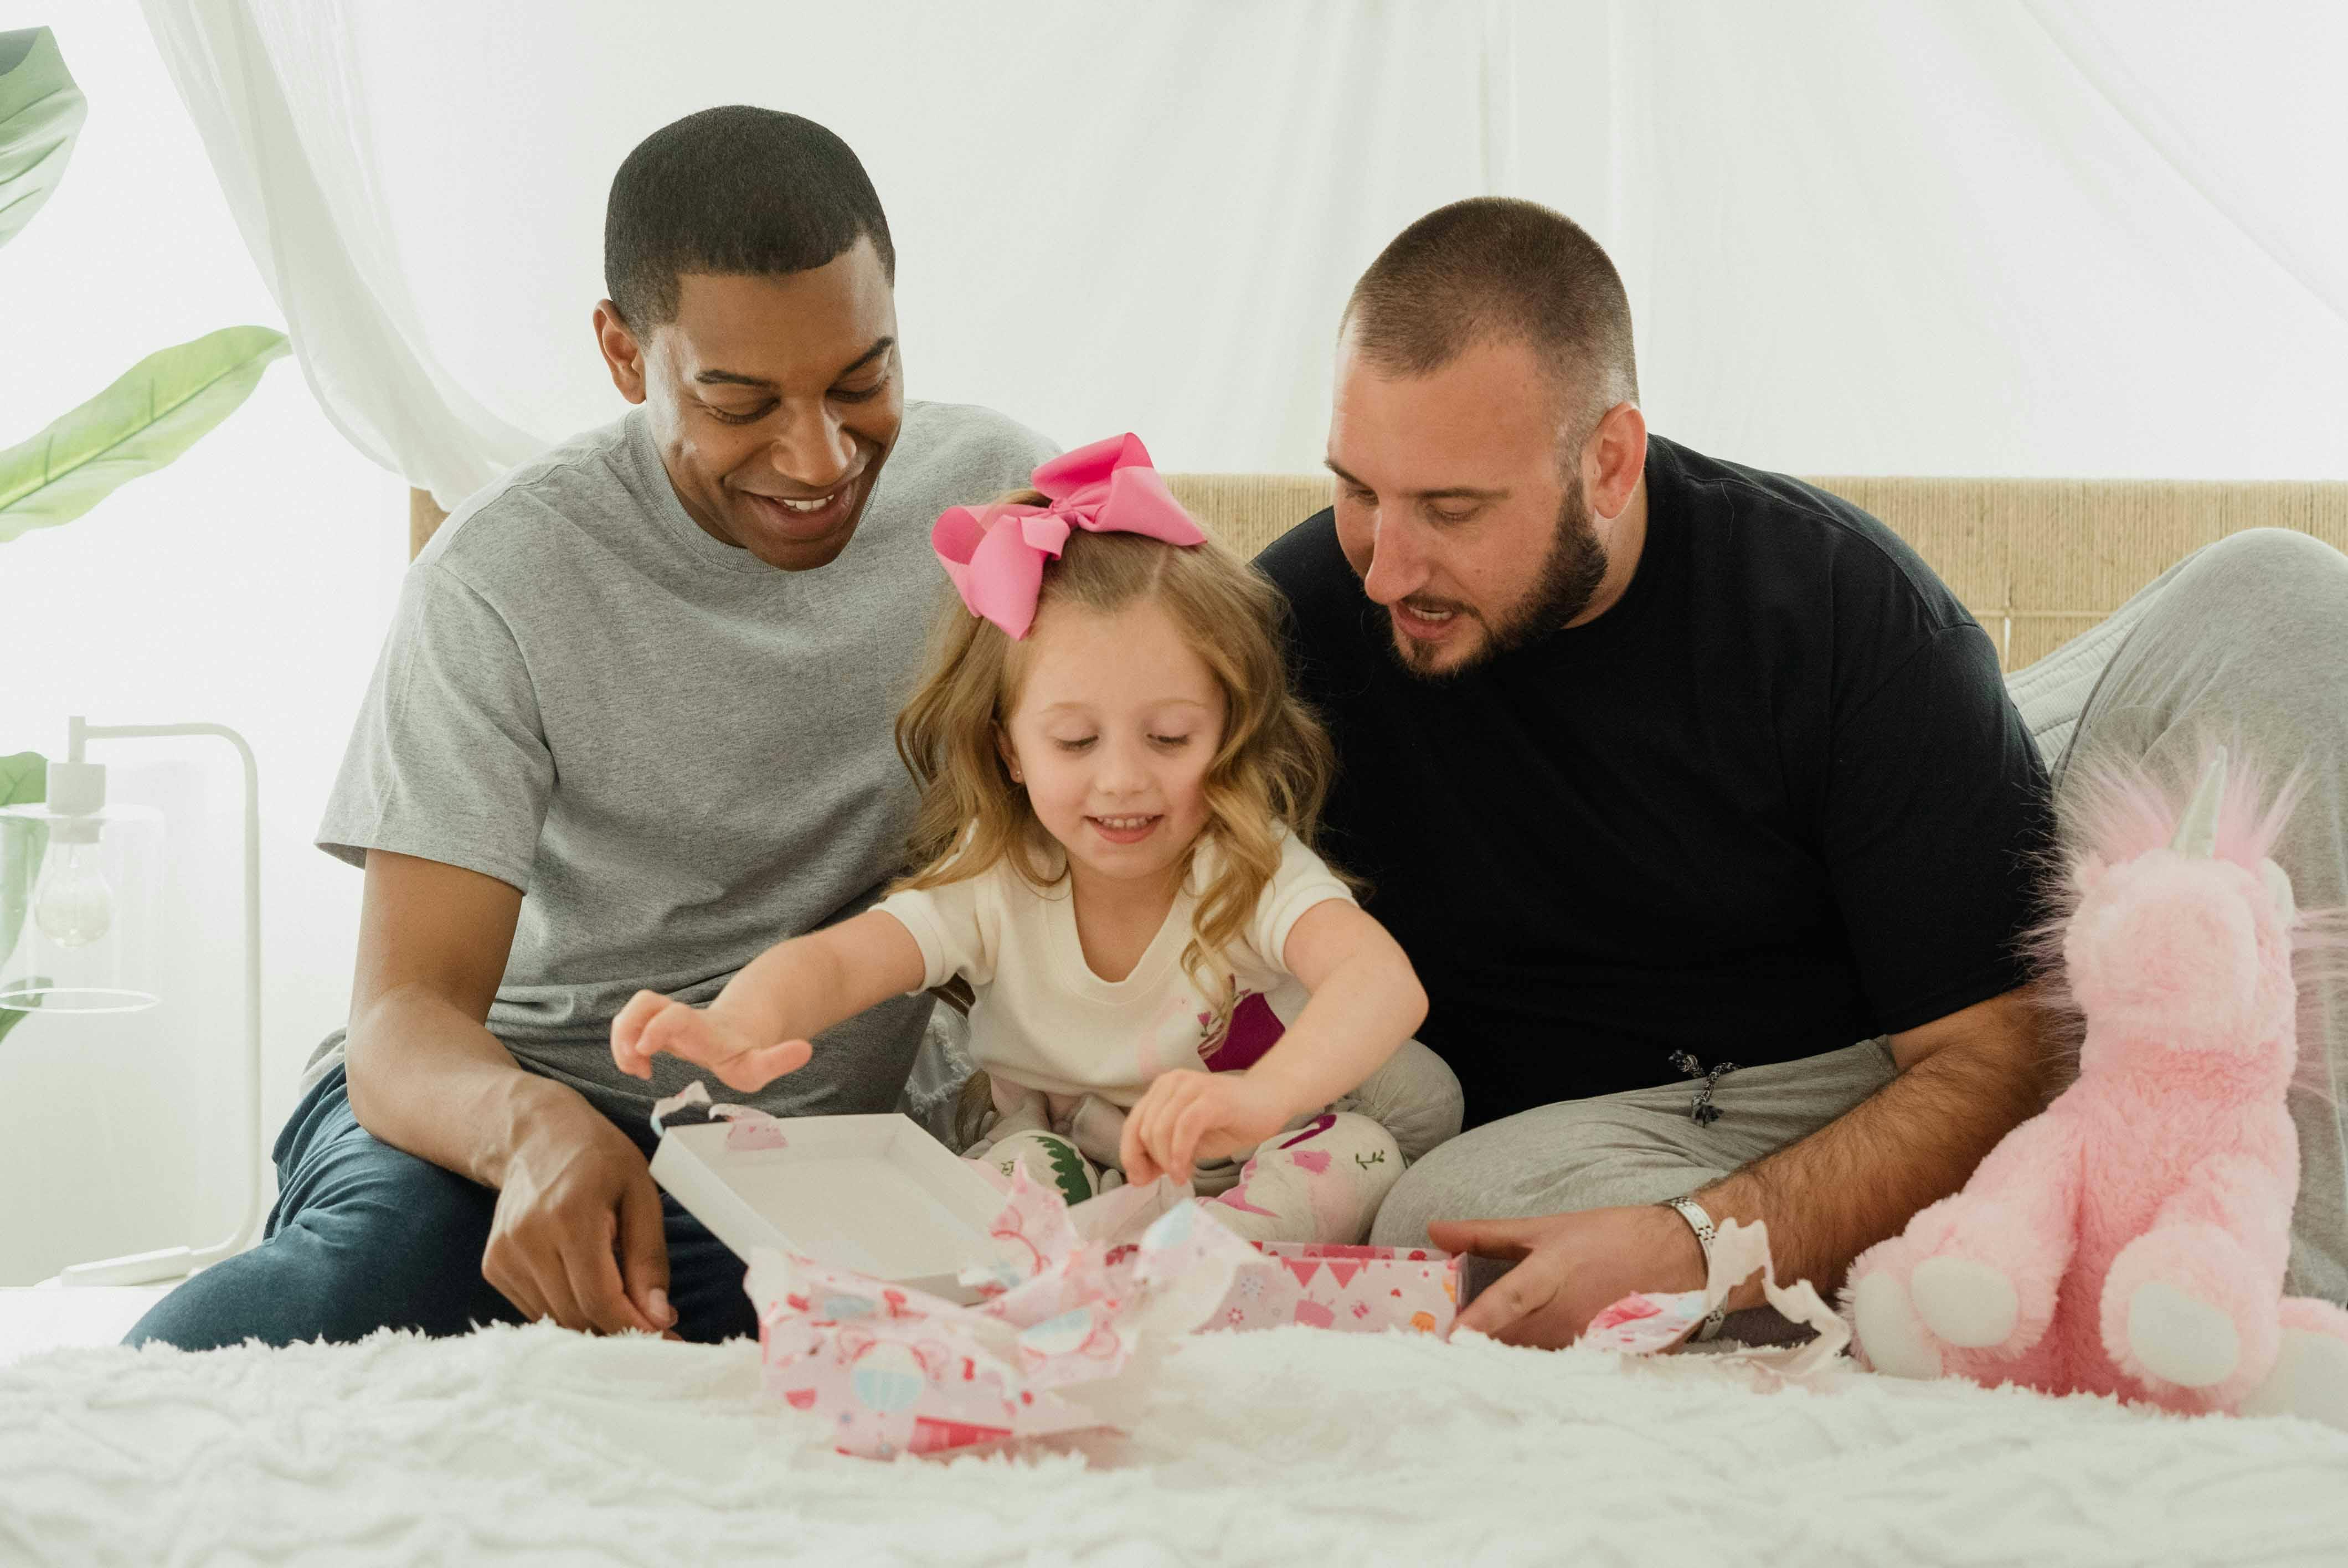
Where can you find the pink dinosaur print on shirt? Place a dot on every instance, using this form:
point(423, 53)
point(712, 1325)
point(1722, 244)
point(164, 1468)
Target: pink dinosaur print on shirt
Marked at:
point(1314, 1129)
point(1237, 1198)
point(1254, 1030)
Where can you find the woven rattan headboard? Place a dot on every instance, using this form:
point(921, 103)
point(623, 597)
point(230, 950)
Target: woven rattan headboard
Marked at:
point(2038, 562)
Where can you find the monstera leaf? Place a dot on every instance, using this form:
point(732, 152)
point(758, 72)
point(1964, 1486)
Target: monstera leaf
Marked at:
point(41, 112)
point(166, 401)
point(155, 412)
point(24, 778)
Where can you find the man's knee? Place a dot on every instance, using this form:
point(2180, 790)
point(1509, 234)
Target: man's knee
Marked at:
point(386, 1240)
point(2279, 583)
point(2241, 644)
point(1556, 1159)
point(2284, 559)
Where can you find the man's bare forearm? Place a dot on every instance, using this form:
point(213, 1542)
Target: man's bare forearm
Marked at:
point(428, 1079)
point(1861, 1177)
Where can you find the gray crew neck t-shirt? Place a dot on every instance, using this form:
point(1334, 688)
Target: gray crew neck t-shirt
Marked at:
point(679, 753)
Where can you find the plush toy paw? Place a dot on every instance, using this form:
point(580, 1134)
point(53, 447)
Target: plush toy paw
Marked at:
point(2310, 1379)
point(2311, 1370)
point(1894, 1340)
point(1966, 1302)
point(2184, 1311)
point(1985, 1274)
point(2180, 1340)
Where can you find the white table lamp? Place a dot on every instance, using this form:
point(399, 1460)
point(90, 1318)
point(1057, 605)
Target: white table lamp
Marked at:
point(78, 934)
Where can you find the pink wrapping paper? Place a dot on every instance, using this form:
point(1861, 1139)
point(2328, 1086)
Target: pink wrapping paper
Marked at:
point(748, 1129)
point(1360, 1289)
point(1074, 1317)
point(1648, 1325)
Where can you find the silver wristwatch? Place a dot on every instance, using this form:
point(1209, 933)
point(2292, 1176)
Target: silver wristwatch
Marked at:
point(1701, 1222)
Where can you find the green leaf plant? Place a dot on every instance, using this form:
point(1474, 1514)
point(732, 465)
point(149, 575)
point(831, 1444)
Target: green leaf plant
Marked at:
point(152, 412)
point(156, 410)
point(41, 113)
point(160, 406)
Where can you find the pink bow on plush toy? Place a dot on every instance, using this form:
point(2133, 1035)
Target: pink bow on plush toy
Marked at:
point(995, 555)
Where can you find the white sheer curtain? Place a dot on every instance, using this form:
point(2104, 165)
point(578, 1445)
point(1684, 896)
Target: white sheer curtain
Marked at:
point(1950, 238)
point(283, 114)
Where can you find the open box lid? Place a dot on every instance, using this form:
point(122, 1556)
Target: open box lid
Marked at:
point(872, 1194)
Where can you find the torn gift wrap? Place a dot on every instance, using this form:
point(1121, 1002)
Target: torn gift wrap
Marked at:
point(1073, 1320)
point(749, 1128)
point(1647, 1325)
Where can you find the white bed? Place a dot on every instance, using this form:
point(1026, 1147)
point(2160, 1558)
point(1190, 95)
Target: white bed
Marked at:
point(46, 1316)
point(538, 1446)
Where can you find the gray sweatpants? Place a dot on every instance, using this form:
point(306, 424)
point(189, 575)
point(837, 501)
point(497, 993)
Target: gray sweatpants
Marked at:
point(2244, 641)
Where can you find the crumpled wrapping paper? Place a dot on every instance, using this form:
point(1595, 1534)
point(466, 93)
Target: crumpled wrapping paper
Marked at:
point(1074, 1315)
point(748, 1129)
point(1648, 1325)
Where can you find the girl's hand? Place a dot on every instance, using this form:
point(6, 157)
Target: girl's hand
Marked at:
point(1186, 1117)
point(651, 1023)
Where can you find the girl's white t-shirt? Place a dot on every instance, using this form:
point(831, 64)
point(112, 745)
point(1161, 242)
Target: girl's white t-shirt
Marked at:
point(1043, 1020)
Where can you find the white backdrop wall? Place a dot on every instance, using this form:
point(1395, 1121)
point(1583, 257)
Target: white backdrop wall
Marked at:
point(1946, 238)
point(1935, 237)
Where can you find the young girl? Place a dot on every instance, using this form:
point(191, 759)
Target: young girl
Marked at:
point(1119, 793)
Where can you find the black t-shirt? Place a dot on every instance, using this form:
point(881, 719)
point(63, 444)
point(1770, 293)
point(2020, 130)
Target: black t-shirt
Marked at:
point(1773, 801)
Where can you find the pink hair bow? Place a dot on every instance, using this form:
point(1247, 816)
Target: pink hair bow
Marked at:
point(995, 555)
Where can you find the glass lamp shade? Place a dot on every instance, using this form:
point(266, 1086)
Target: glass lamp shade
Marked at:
point(78, 908)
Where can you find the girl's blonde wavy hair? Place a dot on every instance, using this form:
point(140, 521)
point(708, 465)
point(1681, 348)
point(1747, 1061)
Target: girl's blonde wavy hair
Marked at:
point(1272, 769)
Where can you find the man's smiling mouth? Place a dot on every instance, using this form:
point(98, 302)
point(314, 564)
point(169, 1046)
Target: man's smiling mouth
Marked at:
point(806, 517)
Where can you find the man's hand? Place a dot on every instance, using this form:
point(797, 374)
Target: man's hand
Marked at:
point(427, 1078)
point(1186, 1117)
point(1573, 1266)
point(651, 1023)
point(577, 1234)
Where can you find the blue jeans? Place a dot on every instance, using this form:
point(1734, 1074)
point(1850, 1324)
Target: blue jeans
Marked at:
point(365, 1237)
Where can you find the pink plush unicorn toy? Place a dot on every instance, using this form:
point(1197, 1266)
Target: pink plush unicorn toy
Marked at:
point(2132, 1239)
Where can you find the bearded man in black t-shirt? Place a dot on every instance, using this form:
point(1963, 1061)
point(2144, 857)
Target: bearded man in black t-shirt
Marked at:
point(1697, 799)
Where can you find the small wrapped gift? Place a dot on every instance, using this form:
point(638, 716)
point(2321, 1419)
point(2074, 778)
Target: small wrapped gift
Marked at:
point(1360, 1289)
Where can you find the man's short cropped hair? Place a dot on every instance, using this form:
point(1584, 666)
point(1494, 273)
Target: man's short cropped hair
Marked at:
point(1494, 269)
point(735, 191)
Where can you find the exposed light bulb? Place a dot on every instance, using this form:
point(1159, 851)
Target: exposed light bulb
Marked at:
point(74, 906)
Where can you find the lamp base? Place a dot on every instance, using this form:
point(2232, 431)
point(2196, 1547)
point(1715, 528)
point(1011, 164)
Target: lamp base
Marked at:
point(138, 1268)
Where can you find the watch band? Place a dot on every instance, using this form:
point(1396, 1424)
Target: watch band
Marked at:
point(1688, 1209)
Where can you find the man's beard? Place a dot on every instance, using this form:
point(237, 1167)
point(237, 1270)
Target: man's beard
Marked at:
point(1564, 587)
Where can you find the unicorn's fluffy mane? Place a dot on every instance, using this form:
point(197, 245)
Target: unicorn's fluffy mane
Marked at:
point(2114, 810)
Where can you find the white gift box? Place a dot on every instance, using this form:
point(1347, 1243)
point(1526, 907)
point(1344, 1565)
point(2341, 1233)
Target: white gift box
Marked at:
point(875, 1194)
point(878, 1196)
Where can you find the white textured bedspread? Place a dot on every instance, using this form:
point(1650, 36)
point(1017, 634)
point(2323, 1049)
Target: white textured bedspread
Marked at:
point(1294, 1447)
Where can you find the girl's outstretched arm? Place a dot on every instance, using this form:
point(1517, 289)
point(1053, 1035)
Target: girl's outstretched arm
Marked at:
point(1365, 1001)
point(760, 1025)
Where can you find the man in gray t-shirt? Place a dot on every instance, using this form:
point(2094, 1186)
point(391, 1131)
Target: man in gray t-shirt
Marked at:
point(677, 753)
point(632, 724)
